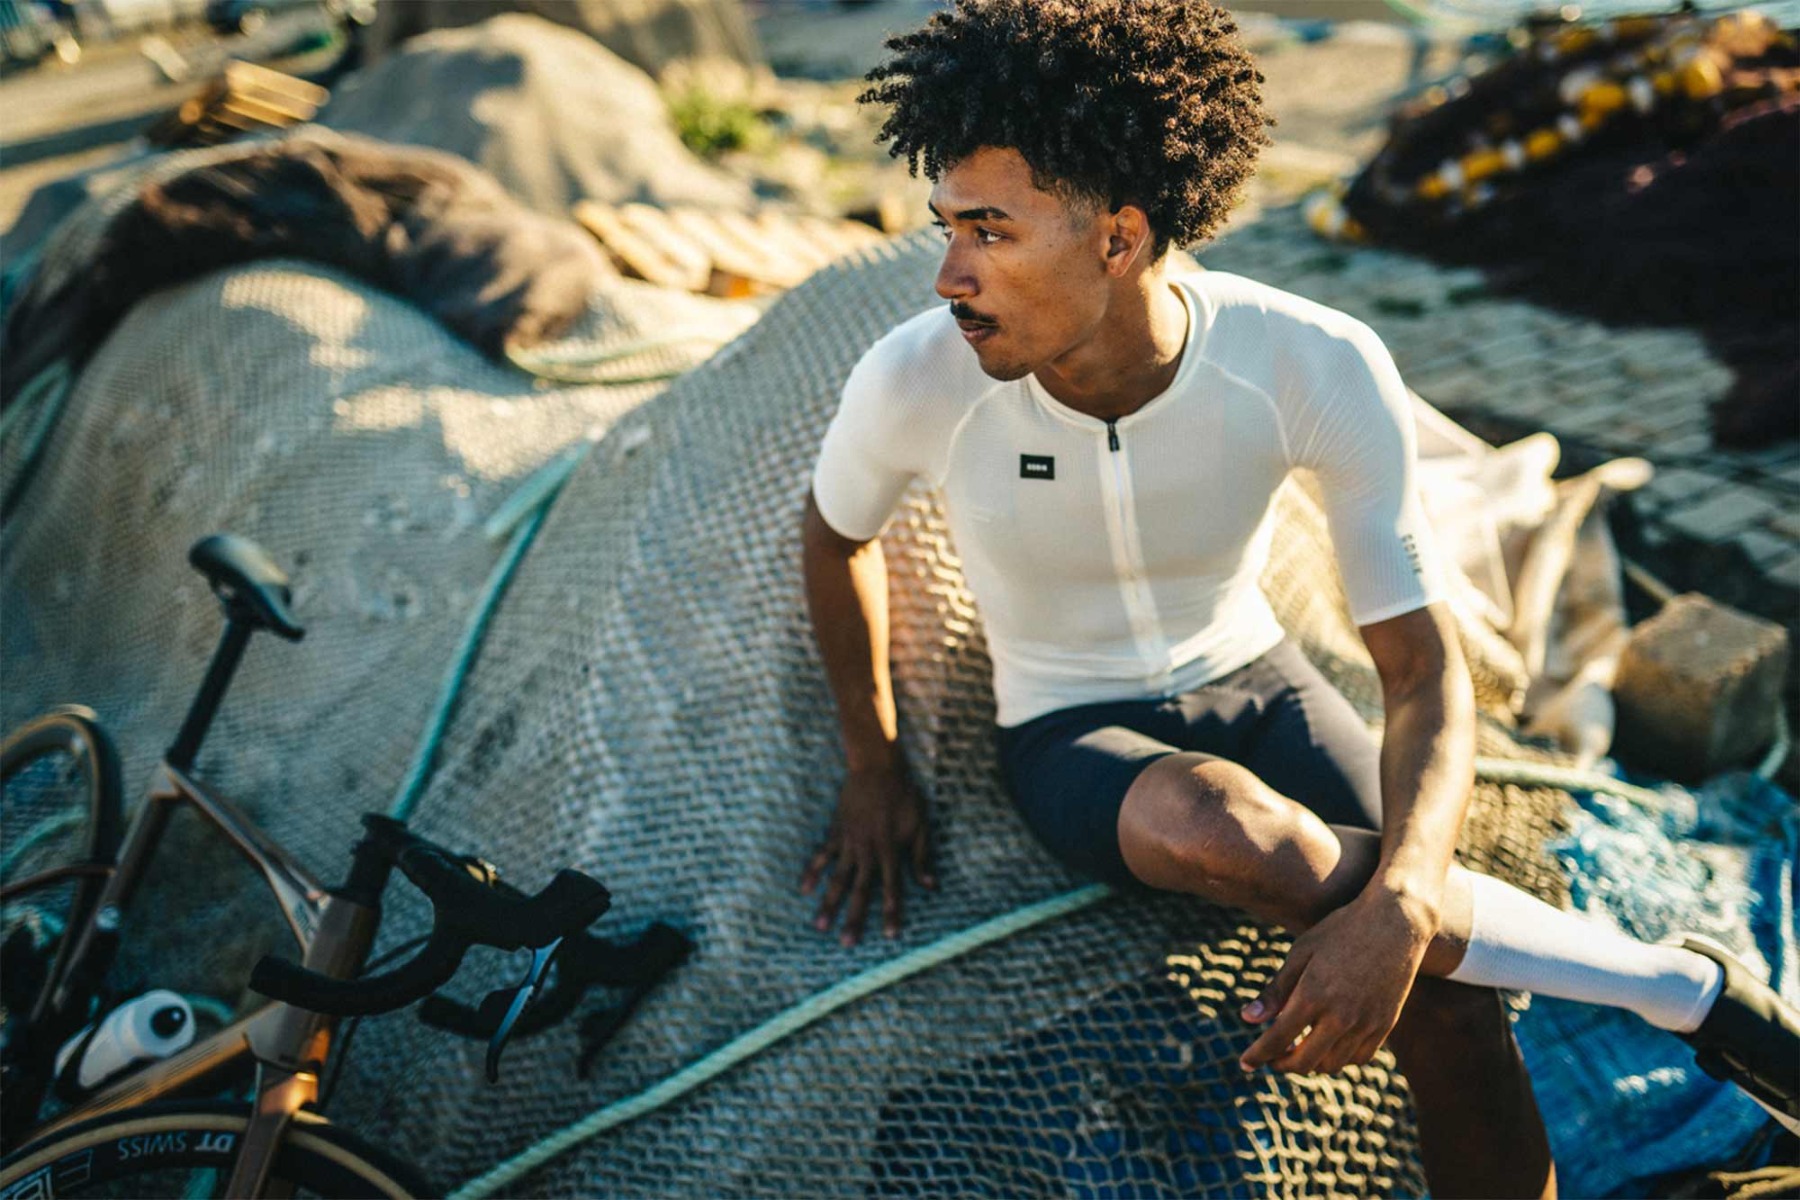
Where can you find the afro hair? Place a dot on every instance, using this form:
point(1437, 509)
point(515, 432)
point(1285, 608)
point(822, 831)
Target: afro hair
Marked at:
point(1147, 102)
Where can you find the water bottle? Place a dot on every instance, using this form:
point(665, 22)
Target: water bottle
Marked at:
point(155, 1025)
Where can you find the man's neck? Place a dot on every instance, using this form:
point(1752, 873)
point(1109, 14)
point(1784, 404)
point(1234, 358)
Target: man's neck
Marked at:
point(1130, 360)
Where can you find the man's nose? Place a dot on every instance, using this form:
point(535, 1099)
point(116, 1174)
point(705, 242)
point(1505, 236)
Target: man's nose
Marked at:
point(954, 280)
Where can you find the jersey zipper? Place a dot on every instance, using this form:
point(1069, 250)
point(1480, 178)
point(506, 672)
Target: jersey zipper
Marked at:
point(1128, 558)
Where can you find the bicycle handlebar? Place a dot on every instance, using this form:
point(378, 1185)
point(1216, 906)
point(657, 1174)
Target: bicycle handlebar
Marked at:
point(468, 909)
point(419, 976)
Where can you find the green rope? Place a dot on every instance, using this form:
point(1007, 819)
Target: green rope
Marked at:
point(1414, 13)
point(783, 1025)
point(792, 1020)
point(537, 491)
point(17, 273)
point(1529, 774)
point(40, 401)
point(214, 1009)
point(528, 523)
point(1778, 752)
point(50, 826)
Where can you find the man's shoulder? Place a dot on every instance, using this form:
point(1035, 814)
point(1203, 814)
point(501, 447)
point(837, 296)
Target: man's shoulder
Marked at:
point(1237, 304)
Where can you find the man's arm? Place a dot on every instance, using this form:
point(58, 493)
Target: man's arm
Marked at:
point(1427, 754)
point(880, 817)
point(1361, 960)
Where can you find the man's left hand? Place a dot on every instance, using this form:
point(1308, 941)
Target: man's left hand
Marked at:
point(1342, 987)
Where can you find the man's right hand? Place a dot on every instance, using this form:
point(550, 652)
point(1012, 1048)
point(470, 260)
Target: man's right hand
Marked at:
point(880, 823)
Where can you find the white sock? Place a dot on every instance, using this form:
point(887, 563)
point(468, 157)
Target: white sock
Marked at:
point(1517, 941)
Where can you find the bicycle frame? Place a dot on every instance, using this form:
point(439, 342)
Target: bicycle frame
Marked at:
point(288, 1045)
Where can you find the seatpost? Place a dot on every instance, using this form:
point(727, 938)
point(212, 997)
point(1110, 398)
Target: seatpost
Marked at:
point(181, 754)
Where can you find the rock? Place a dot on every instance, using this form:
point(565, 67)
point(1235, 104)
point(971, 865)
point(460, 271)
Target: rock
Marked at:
point(1698, 689)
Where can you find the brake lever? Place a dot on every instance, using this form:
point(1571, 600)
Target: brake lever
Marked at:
point(523, 995)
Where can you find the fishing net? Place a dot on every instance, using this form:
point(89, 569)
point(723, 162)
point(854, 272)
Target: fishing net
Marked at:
point(1640, 170)
point(648, 706)
point(364, 445)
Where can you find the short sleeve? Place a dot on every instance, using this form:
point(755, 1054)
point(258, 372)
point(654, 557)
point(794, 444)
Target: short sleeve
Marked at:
point(1355, 431)
point(867, 458)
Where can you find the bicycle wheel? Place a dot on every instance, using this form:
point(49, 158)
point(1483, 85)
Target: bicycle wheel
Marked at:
point(59, 809)
point(186, 1149)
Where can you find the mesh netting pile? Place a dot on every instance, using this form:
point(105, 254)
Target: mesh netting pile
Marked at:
point(648, 706)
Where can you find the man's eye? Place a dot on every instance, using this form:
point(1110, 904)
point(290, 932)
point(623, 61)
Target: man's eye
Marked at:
point(943, 229)
point(987, 237)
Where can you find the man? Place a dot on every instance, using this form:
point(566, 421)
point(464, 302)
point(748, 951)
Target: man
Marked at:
point(1108, 438)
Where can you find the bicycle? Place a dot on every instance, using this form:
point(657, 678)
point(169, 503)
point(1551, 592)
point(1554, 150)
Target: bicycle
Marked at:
point(128, 1137)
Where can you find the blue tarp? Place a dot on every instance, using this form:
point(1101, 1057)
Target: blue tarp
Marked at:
point(1623, 1101)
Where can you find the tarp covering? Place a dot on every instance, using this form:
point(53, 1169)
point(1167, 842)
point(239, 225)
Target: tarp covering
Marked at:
point(422, 224)
point(550, 112)
point(1624, 1103)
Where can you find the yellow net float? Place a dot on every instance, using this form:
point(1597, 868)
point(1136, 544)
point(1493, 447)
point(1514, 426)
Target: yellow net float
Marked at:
point(1701, 78)
point(1662, 60)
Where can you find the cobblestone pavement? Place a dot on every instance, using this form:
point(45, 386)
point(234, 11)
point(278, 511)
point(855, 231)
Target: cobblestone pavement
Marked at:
point(1722, 522)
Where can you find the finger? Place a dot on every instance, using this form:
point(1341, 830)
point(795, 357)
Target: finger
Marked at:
point(1274, 996)
point(890, 894)
point(921, 859)
point(841, 878)
point(1360, 1054)
point(1278, 1037)
point(858, 912)
point(815, 867)
point(1317, 1052)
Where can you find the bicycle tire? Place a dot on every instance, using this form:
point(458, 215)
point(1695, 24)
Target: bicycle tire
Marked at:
point(77, 821)
point(156, 1151)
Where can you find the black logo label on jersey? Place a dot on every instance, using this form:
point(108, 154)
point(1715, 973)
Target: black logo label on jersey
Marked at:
point(1037, 466)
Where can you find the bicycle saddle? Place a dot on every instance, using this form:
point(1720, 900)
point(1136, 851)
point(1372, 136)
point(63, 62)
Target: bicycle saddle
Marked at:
point(252, 587)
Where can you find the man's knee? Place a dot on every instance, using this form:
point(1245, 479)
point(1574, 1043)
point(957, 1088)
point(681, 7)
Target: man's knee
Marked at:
point(1440, 1013)
point(1201, 825)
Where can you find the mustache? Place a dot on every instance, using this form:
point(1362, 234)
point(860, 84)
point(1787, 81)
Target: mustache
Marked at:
point(962, 312)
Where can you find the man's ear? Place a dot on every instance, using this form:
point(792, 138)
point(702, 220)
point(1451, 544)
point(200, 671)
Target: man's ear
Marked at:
point(1128, 238)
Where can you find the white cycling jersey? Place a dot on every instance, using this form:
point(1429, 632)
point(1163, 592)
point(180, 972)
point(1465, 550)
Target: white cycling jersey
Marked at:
point(1118, 560)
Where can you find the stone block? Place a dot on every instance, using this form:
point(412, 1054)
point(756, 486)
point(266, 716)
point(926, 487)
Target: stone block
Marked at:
point(1728, 511)
point(1676, 485)
point(1670, 413)
point(1698, 688)
point(1787, 524)
point(1597, 419)
point(1765, 549)
point(1455, 388)
point(1685, 445)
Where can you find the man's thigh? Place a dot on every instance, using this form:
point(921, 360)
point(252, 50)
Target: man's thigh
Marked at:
point(1310, 743)
point(1068, 771)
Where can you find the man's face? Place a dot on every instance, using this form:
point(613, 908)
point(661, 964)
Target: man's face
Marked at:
point(1024, 269)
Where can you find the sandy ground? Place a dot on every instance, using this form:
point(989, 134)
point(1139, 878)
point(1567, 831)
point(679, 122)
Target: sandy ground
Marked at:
point(1330, 99)
point(59, 119)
